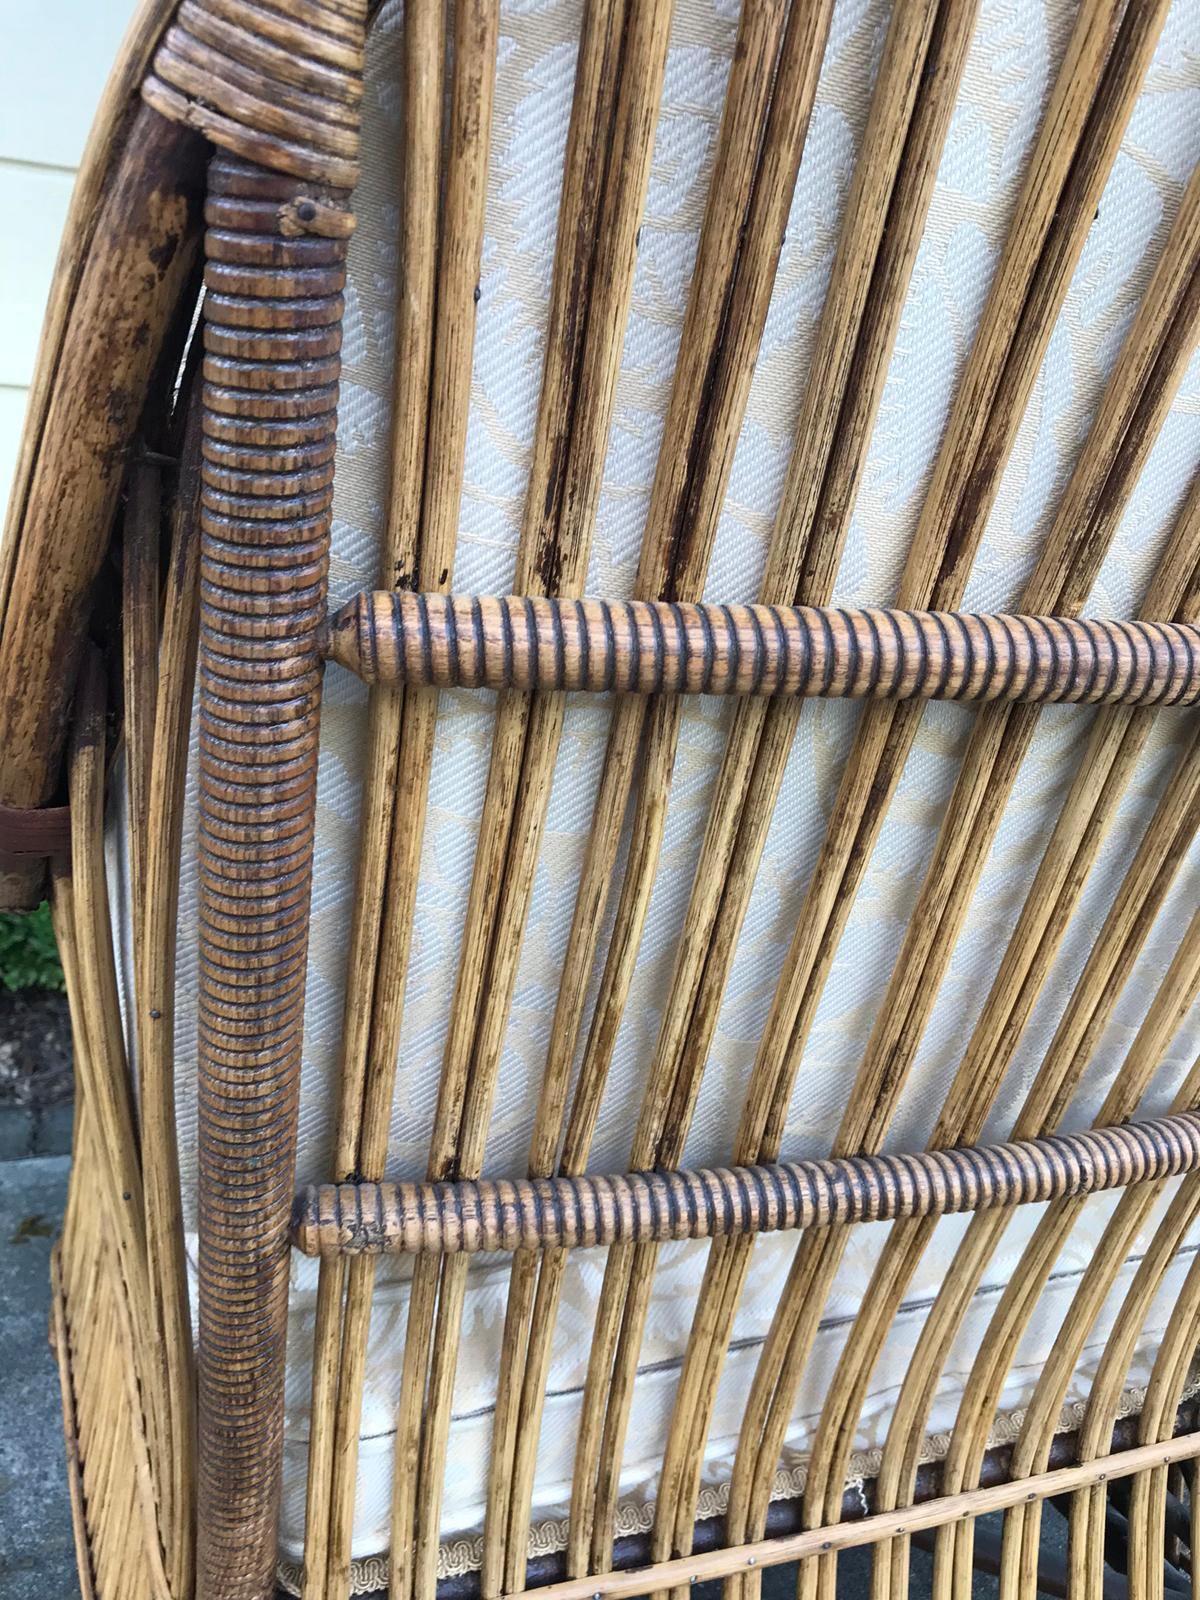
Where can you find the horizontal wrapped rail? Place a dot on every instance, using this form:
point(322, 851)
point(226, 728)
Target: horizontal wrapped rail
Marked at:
point(659, 647)
point(565, 1213)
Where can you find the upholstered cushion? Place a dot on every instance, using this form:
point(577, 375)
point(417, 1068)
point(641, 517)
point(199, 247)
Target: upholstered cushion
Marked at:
point(1017, 47)
point(670, 1321)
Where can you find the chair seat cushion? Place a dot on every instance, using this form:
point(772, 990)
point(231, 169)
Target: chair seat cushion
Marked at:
point(668, 1325)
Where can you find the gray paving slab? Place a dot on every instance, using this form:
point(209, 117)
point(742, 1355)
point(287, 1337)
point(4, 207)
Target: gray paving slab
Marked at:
point(37, 1552)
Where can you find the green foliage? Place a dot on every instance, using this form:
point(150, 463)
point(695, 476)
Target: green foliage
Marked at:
point(28, 954)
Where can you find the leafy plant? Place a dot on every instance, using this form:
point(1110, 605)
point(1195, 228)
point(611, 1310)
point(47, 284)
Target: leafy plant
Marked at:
point(28, 953)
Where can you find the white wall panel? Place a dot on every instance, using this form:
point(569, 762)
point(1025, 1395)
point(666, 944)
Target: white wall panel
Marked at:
point(39, 196)
point(12, 410)
point(53, 65)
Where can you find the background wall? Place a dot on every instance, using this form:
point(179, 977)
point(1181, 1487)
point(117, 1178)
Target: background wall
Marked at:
point(53, 66)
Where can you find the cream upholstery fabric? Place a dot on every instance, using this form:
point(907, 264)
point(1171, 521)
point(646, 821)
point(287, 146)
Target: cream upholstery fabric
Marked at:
point(1012, 63)
point(671, 1317)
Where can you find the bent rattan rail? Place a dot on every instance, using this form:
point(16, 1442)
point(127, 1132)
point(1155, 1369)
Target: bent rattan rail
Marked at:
point(550, 929)
point(641, 1207)
point(537, 643)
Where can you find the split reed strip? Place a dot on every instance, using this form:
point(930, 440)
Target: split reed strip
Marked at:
point(60, 1343)
point(629, 1274)
point(754, 174)
point(998, 374)
point(139, 647)
point(553, 552)
point(378, 954)
point(81, 920)
point(156, 938)
point(752, 1557)
point(118, 1540)
point(111, 1340)
point(116, 1533)
point(1135, 403)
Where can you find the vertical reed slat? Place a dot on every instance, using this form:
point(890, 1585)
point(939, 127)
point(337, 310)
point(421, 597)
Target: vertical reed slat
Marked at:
point(629, 1274)
point(724, 1275)
point(465, 165)
point(156, 935)
point(552, 556)
point(1051, 222)
point(1135, 402)
point(376, 968)
point(757, 154)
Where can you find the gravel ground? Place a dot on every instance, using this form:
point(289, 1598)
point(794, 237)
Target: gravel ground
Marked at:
point(37, 1551)
point(35, 1075)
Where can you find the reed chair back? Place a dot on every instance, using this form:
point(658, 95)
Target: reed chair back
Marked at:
point(651, 1006)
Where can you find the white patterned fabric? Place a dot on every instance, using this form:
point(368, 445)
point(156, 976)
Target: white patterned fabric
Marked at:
point(1012, 63)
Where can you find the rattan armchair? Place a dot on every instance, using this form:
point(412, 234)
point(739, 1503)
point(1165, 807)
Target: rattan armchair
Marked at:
point(589, 1095)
